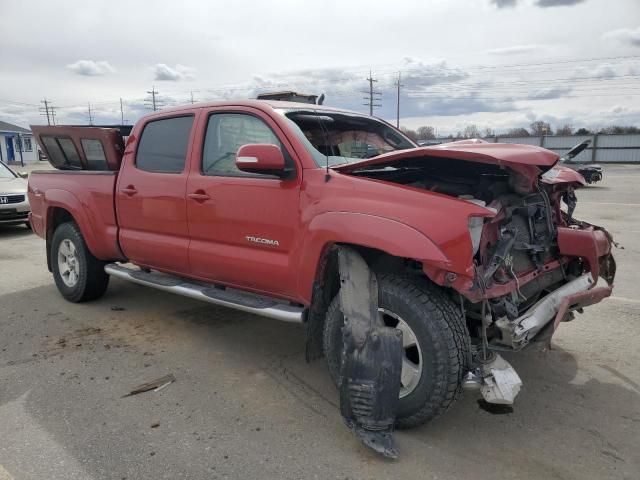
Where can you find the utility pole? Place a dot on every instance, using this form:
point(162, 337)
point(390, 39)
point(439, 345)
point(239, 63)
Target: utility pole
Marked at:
point(192, 98)
point(45, 110)
point(90, 117)
point(52, 111)
point(121, 113)
point(399, 85)
point(373, 96)
point(153, 94)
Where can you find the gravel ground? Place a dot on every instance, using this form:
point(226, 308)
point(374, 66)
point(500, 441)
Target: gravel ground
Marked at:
point(246, 405)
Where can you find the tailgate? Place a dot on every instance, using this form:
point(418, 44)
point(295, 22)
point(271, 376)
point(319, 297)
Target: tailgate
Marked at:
point(81, 148)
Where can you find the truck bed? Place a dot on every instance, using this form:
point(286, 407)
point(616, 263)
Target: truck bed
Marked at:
point(87, 195)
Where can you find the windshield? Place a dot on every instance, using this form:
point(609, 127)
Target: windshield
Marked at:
point(340, 137)
point(5, 172)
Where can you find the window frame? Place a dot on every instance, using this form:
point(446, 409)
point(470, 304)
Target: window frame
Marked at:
point(186, 153)
point(86, 158)
point(67, 165)
point(292, 172)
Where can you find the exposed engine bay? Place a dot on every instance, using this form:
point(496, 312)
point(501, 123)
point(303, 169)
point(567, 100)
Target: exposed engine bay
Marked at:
point(530, 273)
point(515, 251)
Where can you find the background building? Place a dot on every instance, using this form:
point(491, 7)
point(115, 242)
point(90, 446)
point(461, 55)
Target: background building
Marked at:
point(17, 145)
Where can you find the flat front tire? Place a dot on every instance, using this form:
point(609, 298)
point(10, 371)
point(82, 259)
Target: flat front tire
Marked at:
point(435, 341)
point(79, 275)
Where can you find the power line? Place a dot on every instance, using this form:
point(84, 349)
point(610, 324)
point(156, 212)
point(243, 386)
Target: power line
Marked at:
point(89, 111)
point(374, 96)
point(398, 85)
point(153, 94)
point(46, 111)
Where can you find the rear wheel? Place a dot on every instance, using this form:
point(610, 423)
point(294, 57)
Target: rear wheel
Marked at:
point(79, 275)
point(435, 341)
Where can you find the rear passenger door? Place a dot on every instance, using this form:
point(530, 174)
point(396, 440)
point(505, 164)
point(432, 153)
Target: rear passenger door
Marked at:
point(150, 195)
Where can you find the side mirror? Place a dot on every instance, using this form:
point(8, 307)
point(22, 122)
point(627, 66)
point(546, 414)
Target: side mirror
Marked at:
point(261, 158)
point(24, 175)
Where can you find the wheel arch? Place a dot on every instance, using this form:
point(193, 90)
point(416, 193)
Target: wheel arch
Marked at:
point(406, 251)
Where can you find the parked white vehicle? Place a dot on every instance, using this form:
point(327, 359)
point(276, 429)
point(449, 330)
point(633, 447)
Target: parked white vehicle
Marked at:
point(14, 203)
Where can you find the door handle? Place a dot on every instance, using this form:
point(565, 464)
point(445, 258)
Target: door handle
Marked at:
point(129, 190)
point(199, 196)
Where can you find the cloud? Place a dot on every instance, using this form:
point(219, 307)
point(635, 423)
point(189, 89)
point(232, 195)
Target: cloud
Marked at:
point(91, 68)
point(164, 72)
point(549, 93)
point(504, 3)
point(596, 71)
point(516, 49)
point(557, 3)
point(450, 107)
point(627, 36)
point(537, 3)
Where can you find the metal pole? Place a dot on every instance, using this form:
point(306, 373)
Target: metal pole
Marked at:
point(121, 113)
point(398, 84)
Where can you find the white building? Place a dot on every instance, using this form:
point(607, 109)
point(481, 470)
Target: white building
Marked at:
point(17, 145)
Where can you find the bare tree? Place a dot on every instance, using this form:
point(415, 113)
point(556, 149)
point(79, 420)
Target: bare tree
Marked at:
point(412, 134)
point(426, 133)
point(617, 129)
point(489, 132)
point(517, 132)
point(564, 130)
point(540, 127)
point(471, 131)
point(583, 131)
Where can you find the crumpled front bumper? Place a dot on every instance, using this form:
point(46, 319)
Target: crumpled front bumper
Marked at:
point(579, 300)
point(591, 243)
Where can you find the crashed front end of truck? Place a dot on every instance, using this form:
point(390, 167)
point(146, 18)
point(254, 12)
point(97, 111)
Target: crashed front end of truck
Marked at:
point(532, 264)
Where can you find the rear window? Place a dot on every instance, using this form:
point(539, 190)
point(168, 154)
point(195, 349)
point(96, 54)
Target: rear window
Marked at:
point(62, 152)
point(163, 145)
point(94, 153)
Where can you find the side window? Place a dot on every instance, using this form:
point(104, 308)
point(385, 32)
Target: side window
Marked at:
point(226, 133)
point(163, 145)
point(94, 153)
point(62, 152)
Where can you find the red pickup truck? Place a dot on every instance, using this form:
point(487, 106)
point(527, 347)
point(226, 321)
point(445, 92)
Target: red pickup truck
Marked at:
point(243, 204)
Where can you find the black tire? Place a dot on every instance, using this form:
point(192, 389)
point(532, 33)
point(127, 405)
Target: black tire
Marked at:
point(28, 225)
point(92, 281)
point(441, 332)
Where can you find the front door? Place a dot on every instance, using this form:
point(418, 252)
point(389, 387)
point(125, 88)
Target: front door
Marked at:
point(242, 226)
point(11, 156)
point(150, 195)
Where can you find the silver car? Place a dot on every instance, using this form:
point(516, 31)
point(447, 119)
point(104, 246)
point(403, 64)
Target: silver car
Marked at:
point(14, 203)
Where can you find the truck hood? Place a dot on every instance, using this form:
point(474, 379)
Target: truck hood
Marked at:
point(528, 160)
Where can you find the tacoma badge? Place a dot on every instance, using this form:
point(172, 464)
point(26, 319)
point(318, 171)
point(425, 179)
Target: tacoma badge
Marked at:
point(265, 241)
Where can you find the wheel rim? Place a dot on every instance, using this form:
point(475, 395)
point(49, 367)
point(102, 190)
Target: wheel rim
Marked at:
point(412, 359)
point(68, 263)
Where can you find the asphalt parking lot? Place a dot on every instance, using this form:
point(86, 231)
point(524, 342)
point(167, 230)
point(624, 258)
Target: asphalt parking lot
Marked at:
point(246, 405)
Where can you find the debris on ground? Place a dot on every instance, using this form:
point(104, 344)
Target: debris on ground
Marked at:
point(155, 385)
point(116, 308)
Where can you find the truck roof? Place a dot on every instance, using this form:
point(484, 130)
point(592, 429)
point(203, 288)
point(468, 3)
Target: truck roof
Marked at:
point(260, 104)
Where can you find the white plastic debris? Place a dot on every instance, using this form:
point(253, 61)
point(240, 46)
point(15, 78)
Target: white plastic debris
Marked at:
point(500, 383)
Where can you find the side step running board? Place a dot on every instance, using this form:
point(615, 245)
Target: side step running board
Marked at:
point(226, 297)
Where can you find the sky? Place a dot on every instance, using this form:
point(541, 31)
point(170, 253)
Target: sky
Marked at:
point(498, 64)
